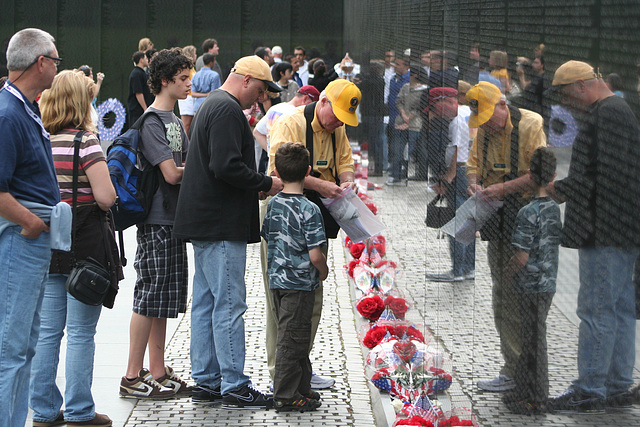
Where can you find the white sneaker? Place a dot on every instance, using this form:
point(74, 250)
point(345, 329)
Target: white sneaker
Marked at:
point(445, 277)
point(321, 383)
point(498, 384)
point(393, 181)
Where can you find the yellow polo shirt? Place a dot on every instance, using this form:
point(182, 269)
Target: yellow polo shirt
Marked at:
point(531, 136)
point(292, 127)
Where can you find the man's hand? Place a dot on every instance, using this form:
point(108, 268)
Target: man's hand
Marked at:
point(32, 231)
point(494, 192)
point(276, 186)
point(551, 190)
point(349, 184)
point(330, 190)
point(439, 188)
point(473, 189)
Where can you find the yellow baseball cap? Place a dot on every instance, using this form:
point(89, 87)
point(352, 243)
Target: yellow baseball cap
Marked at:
point(345, 97)
point(257, 68)
point(482, 98)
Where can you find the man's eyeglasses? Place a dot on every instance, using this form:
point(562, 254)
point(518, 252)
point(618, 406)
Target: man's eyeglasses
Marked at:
point(54, 59)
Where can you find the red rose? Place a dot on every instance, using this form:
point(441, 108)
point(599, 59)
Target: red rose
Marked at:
point(397, 305)
point(370, 307)
point(348, 242)
point(374, 336)
point(352, 264)
point(415, 334)
point(356, 249)
point(372, 207)
point(414, 421)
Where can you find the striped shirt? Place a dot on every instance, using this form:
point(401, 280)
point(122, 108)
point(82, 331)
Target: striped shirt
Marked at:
point(90, 153)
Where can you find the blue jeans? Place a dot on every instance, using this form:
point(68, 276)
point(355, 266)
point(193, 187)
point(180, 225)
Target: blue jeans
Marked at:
point(59, 308)
point(24, 267)
point(399, 140)
point(463, 256)
point(385, 146)
point(217, 326)
point(606, 307)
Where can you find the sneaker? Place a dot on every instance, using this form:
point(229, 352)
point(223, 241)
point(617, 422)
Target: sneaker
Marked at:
point(174, 382)
point(246, 397)
point(470, 275)
point(445, 277)
point(619, 401)
point(58, 421)
point(321, 383)
point(635, 393)
point(144, 387)
point(203, 395)
point(574, 402)
point(314, 395)
point(498, 384)
point(393, 181)
point(301, 405)
point(100, 420)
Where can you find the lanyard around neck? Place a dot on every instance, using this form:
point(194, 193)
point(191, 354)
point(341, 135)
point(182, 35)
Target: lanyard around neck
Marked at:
point(15, 92)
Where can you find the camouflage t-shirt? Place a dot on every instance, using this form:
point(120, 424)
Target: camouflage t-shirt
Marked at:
point(292, 227)
point(537, 232)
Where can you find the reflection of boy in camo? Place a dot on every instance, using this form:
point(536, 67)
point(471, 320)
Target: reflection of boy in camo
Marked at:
point(534, 268)
point(294, 233)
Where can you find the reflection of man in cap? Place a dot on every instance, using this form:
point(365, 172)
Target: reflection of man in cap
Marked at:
point(218, 211)
point(319, 126)
point(497, 170)
point(601, 221)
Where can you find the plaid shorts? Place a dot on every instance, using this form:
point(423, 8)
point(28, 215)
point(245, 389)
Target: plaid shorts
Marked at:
point(161, 266)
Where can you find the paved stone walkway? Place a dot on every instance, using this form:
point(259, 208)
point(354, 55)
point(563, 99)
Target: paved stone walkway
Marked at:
point(336, 354)
point(459, 316)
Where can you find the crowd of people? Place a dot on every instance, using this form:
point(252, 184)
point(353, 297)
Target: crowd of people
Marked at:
point(250, 157)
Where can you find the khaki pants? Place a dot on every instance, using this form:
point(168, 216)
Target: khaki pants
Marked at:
point(505, 306)
point(272, 320)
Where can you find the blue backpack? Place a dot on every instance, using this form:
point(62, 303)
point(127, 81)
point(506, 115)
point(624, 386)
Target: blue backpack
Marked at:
point(134, 188)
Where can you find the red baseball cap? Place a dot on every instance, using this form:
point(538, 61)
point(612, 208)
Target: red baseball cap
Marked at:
point(310, 91)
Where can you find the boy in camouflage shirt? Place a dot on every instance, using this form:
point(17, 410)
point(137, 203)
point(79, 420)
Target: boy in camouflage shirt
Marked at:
point(294, 232)
point(534, 268)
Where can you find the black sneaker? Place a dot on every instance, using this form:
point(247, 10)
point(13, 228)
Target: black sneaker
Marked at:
point(574, 402)
point(246, 397)
point(303, 404)
point(202, 395)
point(619, 401)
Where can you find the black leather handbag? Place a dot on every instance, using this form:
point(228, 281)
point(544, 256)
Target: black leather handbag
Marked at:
point(88, 281)
point(439, 211)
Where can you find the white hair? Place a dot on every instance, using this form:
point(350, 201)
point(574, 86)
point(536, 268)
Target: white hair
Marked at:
point(26, 46)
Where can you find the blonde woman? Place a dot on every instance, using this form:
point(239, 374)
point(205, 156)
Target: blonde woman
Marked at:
point(66, 111)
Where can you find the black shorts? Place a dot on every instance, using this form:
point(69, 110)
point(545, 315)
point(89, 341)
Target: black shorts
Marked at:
point(161, 267)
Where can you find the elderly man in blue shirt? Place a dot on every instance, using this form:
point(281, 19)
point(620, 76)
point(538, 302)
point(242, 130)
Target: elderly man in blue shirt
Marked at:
point(29, 213)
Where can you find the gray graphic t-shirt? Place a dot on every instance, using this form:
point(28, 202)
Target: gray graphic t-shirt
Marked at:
point(160, 141)
point(537, 232)
point(292, 227)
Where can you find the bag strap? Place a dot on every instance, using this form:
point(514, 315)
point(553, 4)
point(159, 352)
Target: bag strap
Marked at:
point(74, 206)
point(309, 110)
point(76, 166)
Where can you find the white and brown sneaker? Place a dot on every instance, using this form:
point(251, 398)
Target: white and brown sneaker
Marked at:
point(144, 387)
point(174, 382)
